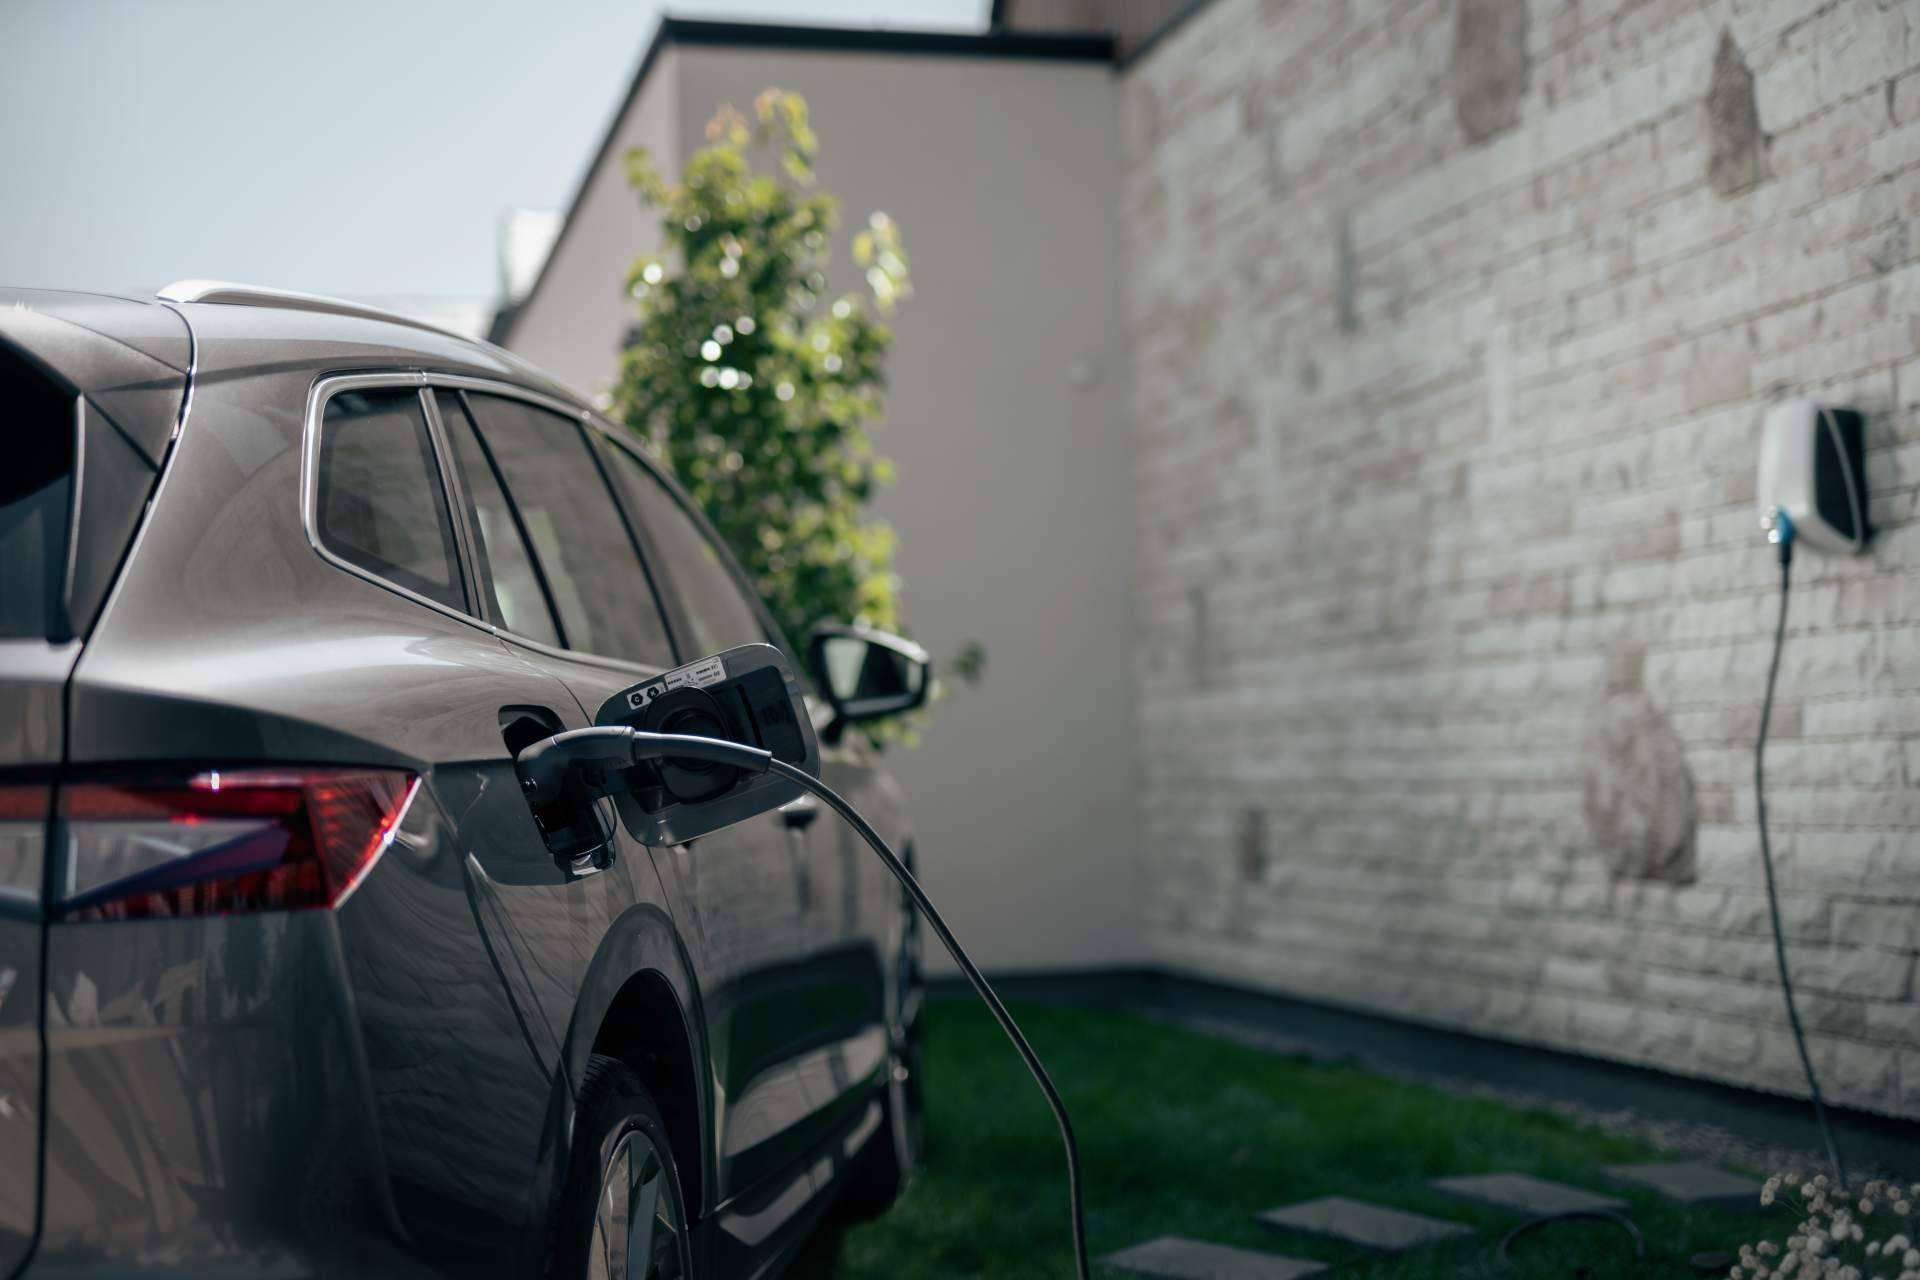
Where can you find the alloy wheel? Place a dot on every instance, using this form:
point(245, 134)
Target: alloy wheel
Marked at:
point(637, 1231)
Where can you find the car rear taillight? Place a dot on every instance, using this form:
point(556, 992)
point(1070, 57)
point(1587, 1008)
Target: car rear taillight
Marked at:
point(221, 841)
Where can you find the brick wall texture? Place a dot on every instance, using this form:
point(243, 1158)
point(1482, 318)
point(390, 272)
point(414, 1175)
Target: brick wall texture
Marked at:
point(1453, 323)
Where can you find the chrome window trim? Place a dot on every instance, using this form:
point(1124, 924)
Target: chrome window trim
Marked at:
point(322, 391)
point(326, 388)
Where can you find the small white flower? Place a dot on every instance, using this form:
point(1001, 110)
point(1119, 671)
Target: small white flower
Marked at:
point(1912, 1259)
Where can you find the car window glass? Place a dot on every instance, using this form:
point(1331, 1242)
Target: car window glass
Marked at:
point(507, 572)
point(34, 492)
point(599, 586)
point(380, 504)
point(717, 609)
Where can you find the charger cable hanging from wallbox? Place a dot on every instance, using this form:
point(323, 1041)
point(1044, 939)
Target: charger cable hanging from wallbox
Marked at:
point(707, 745)
point(1812, 488)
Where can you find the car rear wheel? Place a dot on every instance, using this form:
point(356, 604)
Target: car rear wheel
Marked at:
point(622, 1214)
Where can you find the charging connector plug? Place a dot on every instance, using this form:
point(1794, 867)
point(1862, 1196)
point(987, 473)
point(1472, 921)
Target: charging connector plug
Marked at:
point(1779, 527)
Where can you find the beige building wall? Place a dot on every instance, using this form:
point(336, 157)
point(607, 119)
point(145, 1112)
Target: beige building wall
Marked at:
point(1007, 420)
point(1453, 326)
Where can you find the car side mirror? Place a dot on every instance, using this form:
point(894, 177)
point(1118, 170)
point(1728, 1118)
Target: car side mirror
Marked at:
point(867, 674)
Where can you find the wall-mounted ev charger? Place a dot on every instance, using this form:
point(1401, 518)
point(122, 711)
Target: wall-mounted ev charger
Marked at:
point(1812, 488)
point(1813, 468)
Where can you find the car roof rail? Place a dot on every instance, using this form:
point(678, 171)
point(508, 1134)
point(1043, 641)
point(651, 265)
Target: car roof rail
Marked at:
point(250, 295)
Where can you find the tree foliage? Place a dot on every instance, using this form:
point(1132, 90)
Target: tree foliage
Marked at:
point(753, 386)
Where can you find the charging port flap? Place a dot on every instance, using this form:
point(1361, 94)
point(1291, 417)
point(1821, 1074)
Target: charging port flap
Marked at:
point(747, 694)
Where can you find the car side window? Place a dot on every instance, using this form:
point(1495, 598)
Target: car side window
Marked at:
point(599, 587)
point(509, 577)
point(716, 607)
point(380, 503)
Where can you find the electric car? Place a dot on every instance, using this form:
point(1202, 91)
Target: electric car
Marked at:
point(292, 982)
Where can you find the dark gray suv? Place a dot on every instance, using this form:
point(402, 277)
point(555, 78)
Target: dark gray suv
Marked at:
point(291, 982)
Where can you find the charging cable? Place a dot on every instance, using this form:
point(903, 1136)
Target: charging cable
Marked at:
point(980, 987)
point(545, 767)
point(1780, 534)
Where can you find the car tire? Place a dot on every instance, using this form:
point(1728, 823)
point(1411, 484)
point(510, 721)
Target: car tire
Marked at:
point(623, 1189)
point(887, 1163)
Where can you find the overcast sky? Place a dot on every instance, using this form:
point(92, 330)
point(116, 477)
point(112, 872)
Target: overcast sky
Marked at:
point(351, 146)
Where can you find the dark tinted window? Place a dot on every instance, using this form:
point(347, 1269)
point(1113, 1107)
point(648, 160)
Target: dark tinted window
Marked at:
point(508, 575)
point(599, 586)
point(33, 502)
point(380, 503)
point(716, 606)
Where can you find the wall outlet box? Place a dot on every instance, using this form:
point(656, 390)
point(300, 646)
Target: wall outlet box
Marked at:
point(1813, 466)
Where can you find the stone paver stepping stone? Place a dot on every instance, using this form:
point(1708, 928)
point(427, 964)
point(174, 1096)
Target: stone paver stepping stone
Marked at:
point(1519, 1192)
point(1177, 1258)
point(1692, 1182)
point(1358, 1222)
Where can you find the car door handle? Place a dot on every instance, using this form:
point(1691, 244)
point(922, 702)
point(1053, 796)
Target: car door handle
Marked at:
point(798, 815)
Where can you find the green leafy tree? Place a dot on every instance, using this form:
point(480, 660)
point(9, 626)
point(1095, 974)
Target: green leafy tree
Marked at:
point(752, 385)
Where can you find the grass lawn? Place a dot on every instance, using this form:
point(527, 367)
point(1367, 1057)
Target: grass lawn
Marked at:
point(1185, 1134)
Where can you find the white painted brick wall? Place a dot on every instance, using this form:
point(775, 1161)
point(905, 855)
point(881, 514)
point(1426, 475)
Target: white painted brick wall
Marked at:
point(1390, 569)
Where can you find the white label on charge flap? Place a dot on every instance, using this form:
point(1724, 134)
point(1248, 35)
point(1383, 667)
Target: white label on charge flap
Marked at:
point(699, 675)
point(696, 675)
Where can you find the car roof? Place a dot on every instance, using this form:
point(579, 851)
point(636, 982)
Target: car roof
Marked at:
point(237, 326)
